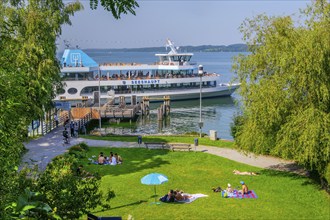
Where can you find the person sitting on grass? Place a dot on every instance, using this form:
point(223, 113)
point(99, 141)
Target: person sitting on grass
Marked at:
point(113, 160)
point(229, 189)
point(244, 190)
point(119, 160)
point(101, 159)
point(110, 157)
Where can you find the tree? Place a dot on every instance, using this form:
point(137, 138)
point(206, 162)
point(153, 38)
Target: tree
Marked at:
point(29, 72)
point(117, 7)
point(285, 87)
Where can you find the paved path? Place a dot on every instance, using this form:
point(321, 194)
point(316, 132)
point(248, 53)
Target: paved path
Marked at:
point(43, 150)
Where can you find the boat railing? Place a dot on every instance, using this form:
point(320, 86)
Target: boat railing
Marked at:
point(175, 63)
point(118, 77)
point(122, 64)
point(160, 89)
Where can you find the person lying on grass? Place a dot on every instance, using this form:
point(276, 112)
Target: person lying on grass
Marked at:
point(174, 195)
point(178, 196)
point(236, 172)
point(169, 197)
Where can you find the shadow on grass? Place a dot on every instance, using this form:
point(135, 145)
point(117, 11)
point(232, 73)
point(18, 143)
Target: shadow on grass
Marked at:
point(134, 160)
point(130, 204)
point(309, 180)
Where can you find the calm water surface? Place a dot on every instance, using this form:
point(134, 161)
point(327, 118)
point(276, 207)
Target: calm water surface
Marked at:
point(217, 113)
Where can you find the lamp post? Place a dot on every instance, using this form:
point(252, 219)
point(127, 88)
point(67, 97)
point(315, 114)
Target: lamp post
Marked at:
point(100, 123)
point(200, 74)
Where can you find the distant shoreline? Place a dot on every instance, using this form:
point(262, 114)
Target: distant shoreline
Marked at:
point(182, 49)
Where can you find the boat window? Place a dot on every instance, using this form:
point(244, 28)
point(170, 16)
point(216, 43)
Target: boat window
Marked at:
point(72, 91)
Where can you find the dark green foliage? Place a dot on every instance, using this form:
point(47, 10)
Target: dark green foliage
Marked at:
point(66, 192)
point(116, 7)
point(75, 148)
point(29, 73)
point(285, 87)
point(77, 151)
point(327, 178)
point(84, 146)
point(29, 204)
point(238, 121)
point(71, 194)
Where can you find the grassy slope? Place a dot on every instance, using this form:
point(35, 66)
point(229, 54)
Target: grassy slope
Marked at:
point(281, 195)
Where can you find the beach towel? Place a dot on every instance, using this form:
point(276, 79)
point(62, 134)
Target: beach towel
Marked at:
point(251, 195)
point(192, 198)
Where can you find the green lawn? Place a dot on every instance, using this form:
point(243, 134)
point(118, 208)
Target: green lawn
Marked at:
point(168, 139)
point(281, 195)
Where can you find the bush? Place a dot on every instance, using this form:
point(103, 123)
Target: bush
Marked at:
point(72, 195)
point(326, 183)
point(84, 146)
point(77, 151)
point(76, 148)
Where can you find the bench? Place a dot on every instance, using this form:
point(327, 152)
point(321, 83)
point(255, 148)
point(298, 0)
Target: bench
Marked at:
point(149, 145)
point(179, 146)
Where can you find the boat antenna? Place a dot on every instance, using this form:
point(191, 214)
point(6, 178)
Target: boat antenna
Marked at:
point(170, 44)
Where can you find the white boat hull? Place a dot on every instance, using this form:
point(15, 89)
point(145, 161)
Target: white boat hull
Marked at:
point(183, 95)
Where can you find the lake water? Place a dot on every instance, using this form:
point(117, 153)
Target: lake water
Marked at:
point(217, 113)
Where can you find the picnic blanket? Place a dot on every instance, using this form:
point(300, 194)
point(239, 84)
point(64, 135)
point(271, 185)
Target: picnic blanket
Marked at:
point(251, 195)
point(193, 197)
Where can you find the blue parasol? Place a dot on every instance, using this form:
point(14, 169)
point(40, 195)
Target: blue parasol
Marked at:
point(154, 179)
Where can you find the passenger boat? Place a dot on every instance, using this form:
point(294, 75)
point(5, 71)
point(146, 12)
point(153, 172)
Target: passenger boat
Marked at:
point(172, 75)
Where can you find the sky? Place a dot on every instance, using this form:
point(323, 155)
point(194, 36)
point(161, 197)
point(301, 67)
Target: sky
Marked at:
point(185, 22)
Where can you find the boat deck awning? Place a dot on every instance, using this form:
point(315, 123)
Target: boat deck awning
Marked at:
point(78, 69)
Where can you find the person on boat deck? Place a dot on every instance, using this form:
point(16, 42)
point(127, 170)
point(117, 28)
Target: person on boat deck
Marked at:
point(245, 189)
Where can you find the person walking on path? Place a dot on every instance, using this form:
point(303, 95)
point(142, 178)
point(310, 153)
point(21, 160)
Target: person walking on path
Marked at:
point(56, 119)
point(76, 130)
point(72, 129)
